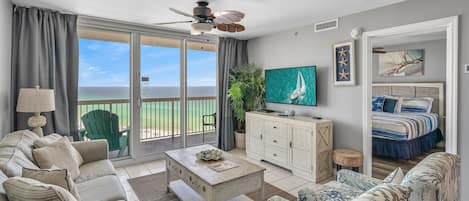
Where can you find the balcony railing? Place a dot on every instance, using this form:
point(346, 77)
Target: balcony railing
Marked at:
point(160, 117)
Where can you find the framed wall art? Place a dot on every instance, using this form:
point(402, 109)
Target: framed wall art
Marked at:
point(344, 63)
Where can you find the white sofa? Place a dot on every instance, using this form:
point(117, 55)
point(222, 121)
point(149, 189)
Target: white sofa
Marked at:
point(98, 180)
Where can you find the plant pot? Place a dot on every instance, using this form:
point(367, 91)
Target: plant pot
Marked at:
point(240, 139)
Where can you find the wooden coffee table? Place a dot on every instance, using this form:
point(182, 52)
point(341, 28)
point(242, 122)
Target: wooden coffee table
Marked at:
point(197, 181)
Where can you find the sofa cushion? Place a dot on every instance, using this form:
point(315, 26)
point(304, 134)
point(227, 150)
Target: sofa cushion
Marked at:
point(107, 188)
point(330, 191)
point(46, 140)
point(22, 140)
point(94, 170)
point(24, 189)
point(59, 154)
point(12, 161)
point(52, 138)
point(385, 192)
point(3, 178)
point(59, 177)
point(435, 178)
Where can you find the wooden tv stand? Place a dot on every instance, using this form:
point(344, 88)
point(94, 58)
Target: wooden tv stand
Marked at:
point(301, 144)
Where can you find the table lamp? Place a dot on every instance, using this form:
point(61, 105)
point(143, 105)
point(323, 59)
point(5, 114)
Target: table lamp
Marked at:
point(36, 100)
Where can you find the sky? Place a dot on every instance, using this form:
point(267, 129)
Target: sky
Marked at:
point(105, 63)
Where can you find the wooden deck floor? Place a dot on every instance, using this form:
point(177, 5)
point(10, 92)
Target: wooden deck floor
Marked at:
point(165, 144)
point(161, 145)
point(383, 166)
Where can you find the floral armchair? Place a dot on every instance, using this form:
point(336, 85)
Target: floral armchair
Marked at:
point(436, 178)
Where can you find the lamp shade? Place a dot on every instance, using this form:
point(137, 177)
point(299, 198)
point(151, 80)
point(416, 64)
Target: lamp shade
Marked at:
point(35, 100)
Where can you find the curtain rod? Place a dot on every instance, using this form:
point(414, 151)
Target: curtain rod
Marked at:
point(68, 12)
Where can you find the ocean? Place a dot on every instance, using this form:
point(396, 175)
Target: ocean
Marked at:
point(109, 93)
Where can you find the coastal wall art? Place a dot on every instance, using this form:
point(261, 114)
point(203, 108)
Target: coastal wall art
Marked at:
point(291, 85)
point(344, 63)
point(402, 63)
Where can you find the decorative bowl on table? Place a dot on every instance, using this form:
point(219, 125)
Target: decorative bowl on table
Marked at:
point(210, 155)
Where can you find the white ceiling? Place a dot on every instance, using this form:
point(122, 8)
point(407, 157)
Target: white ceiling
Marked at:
point(262, 16)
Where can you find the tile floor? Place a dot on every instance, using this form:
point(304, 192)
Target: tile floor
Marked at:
point(274, 175)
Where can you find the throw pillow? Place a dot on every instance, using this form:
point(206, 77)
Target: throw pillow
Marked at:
point(60, 154)
point(25, 189)
point(49, 139)
point(395, 177)
point(55, 176)
point(423, 105)
point(378, 103)
point(386, 192)
point(390, 104)
point(46, 140)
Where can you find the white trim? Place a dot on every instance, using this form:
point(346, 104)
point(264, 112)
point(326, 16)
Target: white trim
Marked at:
point(183, 92)
point(144, 29)
point(450, 25)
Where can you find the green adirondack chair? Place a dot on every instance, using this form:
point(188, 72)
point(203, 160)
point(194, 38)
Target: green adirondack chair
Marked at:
point(101, 124)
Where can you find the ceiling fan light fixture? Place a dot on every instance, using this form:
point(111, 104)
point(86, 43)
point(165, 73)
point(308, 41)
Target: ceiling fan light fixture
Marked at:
point(201, 27)
point(195, 32)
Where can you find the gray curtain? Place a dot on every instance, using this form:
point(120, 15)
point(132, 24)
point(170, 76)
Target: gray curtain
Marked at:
point(45, 53)
point(231, 53)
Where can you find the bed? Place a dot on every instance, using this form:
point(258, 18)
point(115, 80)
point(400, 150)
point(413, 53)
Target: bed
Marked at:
point(405, 135)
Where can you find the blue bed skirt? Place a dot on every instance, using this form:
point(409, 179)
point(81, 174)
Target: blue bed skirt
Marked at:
point(406, 149)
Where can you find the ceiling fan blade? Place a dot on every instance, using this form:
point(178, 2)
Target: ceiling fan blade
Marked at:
point(228, 16)
point(181, 12)
point(175, 22)
point(232, 28)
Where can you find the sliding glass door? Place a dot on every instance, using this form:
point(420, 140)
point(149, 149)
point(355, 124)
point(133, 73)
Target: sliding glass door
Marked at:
point(146, 93)
point(201, 93)
point(104, 89)
point(160, 92)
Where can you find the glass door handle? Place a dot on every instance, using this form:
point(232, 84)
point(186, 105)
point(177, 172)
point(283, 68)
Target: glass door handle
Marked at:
point(139, 102)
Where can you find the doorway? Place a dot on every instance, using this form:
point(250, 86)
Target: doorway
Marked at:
point(446, 92)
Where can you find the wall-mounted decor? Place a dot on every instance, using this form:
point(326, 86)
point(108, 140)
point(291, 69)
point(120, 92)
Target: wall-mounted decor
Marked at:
point(344, 63)
point(402, 63)
point(291, 85)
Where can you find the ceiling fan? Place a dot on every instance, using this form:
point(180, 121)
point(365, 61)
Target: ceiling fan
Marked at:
point(203, 20)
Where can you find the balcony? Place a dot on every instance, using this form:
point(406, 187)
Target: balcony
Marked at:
point(160, 120)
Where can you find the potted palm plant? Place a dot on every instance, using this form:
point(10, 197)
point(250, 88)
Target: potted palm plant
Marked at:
point(246, 93)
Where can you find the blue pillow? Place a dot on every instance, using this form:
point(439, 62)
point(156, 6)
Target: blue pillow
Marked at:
point(378, 103)
point(390, 104)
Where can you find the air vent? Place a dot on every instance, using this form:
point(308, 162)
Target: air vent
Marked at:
point(326, 25)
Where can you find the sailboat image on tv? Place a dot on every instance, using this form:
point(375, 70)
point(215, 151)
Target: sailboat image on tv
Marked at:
point(299, 93)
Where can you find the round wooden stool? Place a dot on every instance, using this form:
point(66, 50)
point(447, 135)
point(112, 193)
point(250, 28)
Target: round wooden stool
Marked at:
point(347, 158)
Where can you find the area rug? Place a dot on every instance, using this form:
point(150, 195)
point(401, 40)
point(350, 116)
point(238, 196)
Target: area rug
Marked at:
point(153, 188)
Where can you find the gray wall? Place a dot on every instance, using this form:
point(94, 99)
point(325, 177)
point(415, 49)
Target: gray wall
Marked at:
point(344, 104)
point(5, 65)
point(434, 64)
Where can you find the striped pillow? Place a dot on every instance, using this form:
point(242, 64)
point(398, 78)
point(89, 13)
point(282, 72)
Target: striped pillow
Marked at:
point(24, 189)
point(423, 104)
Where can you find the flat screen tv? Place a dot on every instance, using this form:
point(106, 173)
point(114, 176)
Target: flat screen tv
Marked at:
point(291, 85)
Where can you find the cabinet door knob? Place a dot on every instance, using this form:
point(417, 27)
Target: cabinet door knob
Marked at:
point(261, 136)
point(291, 144)
point(275, 141)
point(275, 126)
point(275, 154)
